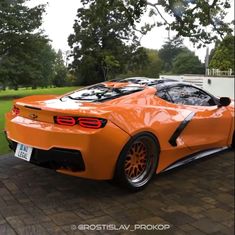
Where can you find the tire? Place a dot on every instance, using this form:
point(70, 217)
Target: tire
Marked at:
point(137, 162)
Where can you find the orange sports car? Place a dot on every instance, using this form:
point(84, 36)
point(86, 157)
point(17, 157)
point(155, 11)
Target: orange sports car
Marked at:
point(126, 130)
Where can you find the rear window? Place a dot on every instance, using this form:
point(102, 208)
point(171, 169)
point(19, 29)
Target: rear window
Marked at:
point(101, 92)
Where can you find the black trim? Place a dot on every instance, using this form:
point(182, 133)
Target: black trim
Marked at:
point(11, 144)
point(57, 158)
point(30, 107)
point(193, 157)
point(180, 129)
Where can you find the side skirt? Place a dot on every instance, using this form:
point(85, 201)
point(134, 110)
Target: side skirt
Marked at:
point(193, 157)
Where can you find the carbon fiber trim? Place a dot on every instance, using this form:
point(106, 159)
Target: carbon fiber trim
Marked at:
point(180, 129)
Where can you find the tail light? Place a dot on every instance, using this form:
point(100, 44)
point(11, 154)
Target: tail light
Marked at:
point(86, 122)
point(15, 111)
point(94, 123)
point(65, 120)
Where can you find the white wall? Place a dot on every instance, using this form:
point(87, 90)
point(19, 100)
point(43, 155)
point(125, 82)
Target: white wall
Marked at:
point(218, 86)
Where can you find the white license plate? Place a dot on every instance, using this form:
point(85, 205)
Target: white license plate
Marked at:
point(23, 152)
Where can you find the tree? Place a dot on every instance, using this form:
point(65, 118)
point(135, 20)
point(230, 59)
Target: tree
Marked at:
point(202, 21)
point(47, 61)
point(104, 40)
point(23, 64)
point(59, 79)
point(146, 63)
point(223, 55)
point(17, 22)
point(154, 67)
point(187, 62)
point(138, 63)
point(169, 51)
point(20, 42)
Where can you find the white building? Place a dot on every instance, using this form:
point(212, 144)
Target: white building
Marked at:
point(216, 85)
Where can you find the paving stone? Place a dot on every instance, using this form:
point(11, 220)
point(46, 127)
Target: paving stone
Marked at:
point(178, 218)
point(64, 218)
point(52, 228)
point(154, 220)
point(3, 176)
point(229, 231)
point(196, 232)
point(197, 216)
point(28, 219)
point(194, 200)
point(32, 230)
point(101, 220)
point(4, 192)
point(6, 229)
point(15, 222)
point(229, 223)
point(209, 200)
point(2, 203)
point(218, 214)
point(2, 220)
point(187, 227)
point(208, 226)
point(85, 215)
point(15, 210)
point(11, 186)
point(49, 211)
point(225, 197)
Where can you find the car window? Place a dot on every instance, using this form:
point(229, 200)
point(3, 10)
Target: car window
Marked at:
point(164, 95)
point(189, 95)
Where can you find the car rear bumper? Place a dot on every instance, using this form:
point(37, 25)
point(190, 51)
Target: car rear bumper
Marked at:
point(73, 150)
point(55, 158)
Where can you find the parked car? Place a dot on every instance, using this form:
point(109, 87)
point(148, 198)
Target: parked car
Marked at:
point(126, 130)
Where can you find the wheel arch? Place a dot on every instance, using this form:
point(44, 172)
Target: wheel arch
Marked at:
point(119, 175)
point(150, 132)
point(135, 136)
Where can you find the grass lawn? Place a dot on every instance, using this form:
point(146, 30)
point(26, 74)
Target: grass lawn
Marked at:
point(6, 98)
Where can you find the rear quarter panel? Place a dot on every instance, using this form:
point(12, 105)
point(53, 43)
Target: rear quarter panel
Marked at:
point(154, 115)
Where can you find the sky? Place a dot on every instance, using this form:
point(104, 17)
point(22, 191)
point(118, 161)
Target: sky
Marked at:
point(60, 15)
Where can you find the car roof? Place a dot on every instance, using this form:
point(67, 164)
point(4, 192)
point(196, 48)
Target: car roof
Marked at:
point(154, 82)
point(121, 87)
point(161, 84)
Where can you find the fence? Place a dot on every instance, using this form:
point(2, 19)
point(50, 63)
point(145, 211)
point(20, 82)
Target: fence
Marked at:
point(217, 72)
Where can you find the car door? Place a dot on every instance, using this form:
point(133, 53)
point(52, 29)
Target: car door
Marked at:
point(208, 126)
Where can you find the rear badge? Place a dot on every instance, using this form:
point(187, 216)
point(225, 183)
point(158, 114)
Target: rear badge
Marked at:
point(33, 116)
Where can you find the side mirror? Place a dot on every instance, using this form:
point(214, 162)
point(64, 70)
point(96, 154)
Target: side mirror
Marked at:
point(224, 101)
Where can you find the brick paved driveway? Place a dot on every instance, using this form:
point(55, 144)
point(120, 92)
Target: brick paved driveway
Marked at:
point(197, 199)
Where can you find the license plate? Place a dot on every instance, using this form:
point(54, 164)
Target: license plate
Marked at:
point(23, 152)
